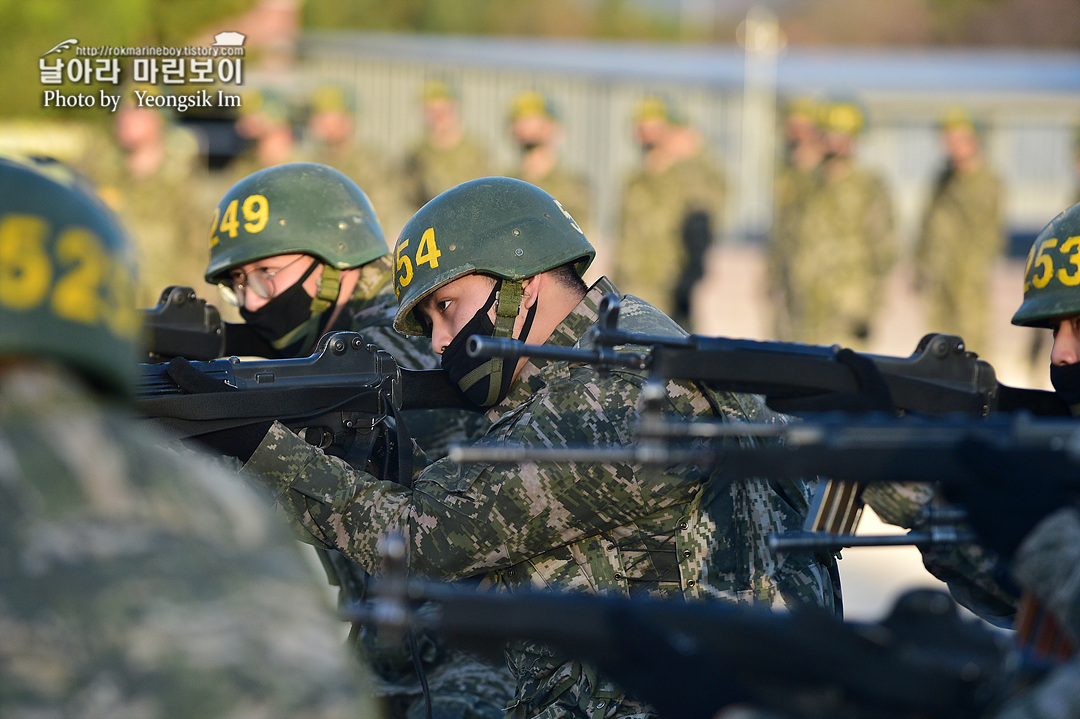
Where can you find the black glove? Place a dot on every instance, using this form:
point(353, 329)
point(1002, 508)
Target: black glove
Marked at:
point(1005, 493)
point(240, 441)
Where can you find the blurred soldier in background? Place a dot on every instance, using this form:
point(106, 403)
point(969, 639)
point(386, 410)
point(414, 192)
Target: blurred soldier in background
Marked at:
point(266, 122)
point(961, 237)
point(446, 156)
point(795, 179)
point(307, 256)
point(669, 210)
point(333, 140)
point(136, 582)
point(151, 173)
point(536, 130)
point(844, 245)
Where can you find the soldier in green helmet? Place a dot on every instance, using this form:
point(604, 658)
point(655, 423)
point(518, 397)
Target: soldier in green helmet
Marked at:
point(962, 236)
point(670, 208)
point(136, 582)
point(500, 257)
point(536, 130)
point(843, 245)
point(299, 249)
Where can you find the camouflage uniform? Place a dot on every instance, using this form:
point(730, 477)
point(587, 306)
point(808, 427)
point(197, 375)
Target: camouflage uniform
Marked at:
point(429, 170)
point(969, 571)
point(842, 252)
point(162, 211)
point(652, 255)
point(1048, 564)
point(790, 190)
point(960, 242)
point(137, 582)
point(603, 528)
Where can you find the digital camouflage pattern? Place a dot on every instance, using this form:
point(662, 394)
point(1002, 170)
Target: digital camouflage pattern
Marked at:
point(139, 582)
point(651, 254)
point(600, 528)
point(968, 570)
point(960, 243)
point(843, 250)
point(1047, 563)
point(428, 170)
point(462, 686)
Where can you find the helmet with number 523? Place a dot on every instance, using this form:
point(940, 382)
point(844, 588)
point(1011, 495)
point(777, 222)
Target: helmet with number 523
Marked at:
point(67, 274)
point(298, 207)
point(497, 226)
point(1052, 277)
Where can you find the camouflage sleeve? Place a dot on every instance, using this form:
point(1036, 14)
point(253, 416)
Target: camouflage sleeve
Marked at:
point(880, 230)
point(462, 521)
point(967, 569)
point(1048, 564)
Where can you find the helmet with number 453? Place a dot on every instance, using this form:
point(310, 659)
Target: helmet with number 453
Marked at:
point(1052, 277)
point(497, 226)
point(67, 274)
point(298, 207)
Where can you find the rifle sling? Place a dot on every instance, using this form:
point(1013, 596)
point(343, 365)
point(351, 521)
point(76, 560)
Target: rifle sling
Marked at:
point(195, 414)
point(803, 383)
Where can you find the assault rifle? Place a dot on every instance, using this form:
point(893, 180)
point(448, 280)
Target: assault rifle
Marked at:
point(689, 660)
point(184, 325)
point(940, 377)
point(339, 395)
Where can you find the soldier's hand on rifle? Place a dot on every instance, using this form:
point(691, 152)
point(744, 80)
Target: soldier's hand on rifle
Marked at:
point(1004, 498)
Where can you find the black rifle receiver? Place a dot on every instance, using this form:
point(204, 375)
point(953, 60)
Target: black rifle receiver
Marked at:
point(941, 377)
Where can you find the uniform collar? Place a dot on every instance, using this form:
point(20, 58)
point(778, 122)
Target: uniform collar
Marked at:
point(537, 373)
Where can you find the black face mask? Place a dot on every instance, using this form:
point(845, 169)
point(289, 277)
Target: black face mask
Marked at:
point(484, 381)
point(1066, 381)
point(527, 147)
point(286, 322)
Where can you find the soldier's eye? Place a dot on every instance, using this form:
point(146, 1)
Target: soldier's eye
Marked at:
point(441, 305)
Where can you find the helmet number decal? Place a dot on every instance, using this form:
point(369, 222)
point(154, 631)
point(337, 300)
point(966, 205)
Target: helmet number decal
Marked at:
point(404, 265)
point(255, 211)
point(427, 253)
point(87, 286)
point(25, 268)
point(1042, 261)
point(1070, 247)
point(229, 222)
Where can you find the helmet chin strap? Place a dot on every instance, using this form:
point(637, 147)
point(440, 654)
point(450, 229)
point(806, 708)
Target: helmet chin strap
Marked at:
point(329, 287)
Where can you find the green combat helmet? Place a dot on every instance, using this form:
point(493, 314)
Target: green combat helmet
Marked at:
point(67, 274)
point(1052, 277)
point(497, 226)
point(298, 207)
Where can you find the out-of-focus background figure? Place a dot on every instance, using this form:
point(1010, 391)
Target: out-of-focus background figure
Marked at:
point(961, 238)
point(332, 140)
point(446, 155)
point(844, 246)
point(796, 177)
point(151, 172)
point(538, 134)
point(669, 210)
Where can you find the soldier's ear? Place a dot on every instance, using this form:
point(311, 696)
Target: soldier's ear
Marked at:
point(530, 287)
